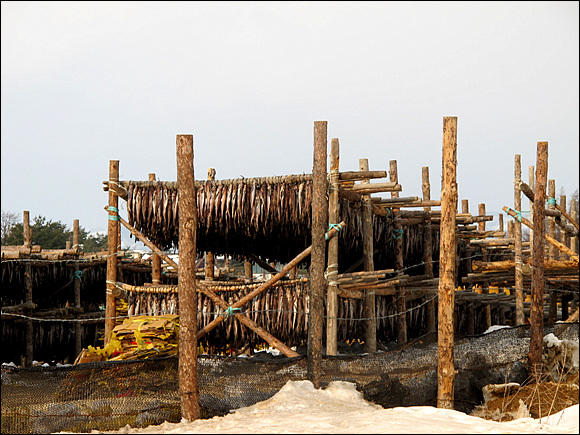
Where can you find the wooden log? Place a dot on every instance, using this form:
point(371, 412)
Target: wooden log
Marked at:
point(26, 232)
point(186, 194)
point(367, 189)
point(551, 221)
point(20, 308)
point(155, 258)
point(564, 237)
point(397, 200)
point(332, 264)
point(481, 226)
point(209, 257)
point(532, 184)
point(400, 301)
point(318, 256)
point(573, 219)
point(368, 263)
point(428, 248)
point(537, 310)
point(492, 266)
point(550, 240)
point(360, 175)
point(113, 234)
point(248, 274)
point(76, 233)
point(447, 252)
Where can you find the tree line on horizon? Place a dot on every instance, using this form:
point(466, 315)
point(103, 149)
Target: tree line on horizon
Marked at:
point(48, 234)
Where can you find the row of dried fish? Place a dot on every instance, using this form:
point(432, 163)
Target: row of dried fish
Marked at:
point(269, 220)
point(282, 311)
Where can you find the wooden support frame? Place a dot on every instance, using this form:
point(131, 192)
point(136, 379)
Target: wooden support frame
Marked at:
point(447, 253)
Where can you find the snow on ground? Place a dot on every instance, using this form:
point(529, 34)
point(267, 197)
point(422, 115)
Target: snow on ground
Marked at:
point(339, 408)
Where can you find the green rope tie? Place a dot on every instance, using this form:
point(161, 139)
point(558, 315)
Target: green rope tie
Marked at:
point(551, 201)
point(518, 214)
point(230, 311)
point(331, 226)
point(113, 218)
point(397, 234)
point(78, 275)
point(115, 209)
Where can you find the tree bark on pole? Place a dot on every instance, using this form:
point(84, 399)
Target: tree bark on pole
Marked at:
point(428, 249)
point(369, 312)
point(187, 291)
point(209, 257)
point(519, 276)
point(399, 266)
point(112, 242)
point(537, 308)
point(155, 258)
point(551, 220)
point(332, 265)
point(447, 253)
point(26, 233)
point(318, 255)
point(531, 184)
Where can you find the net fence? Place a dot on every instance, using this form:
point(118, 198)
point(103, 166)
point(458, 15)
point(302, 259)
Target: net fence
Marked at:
point(109, 395)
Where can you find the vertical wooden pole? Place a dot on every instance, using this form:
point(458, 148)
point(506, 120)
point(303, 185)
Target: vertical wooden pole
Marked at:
point(26, 233)
point(29, 347)
point(537, 308)
point(209, 258)
point(551, 220)
point(470, 305)
point(77, 290)
point(76, 232)
point(553, 296)
point(574, 215)
point(248, 270)
point(187, 292)
point(369, 312)
point(447, 252)
point(565, 240)
point(428, 249)
point(531, 184)
point(332, 265)
point(481, 225)
point(399, 266)
point(155, 258)
point(113, 236)
point(519, 276)
point(318, 254)
point(564, 237)
point(500, 217)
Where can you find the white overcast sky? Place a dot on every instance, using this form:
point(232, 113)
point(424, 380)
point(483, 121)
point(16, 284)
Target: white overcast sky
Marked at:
point(84, 83)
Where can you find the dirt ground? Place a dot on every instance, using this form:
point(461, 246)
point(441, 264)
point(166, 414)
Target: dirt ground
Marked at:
point(532, 400)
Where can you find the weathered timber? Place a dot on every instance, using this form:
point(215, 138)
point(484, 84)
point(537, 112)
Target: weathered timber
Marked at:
point(447, 253)
point(113, 235)
point(332, 264)
point(537, 310)
point(318, 256)
point(188, 385)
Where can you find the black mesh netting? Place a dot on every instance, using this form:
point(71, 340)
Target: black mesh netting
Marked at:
point(109, 395)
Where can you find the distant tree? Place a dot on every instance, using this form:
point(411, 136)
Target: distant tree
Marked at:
point(9, 219)
point(48, 234)
point(94, 242)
